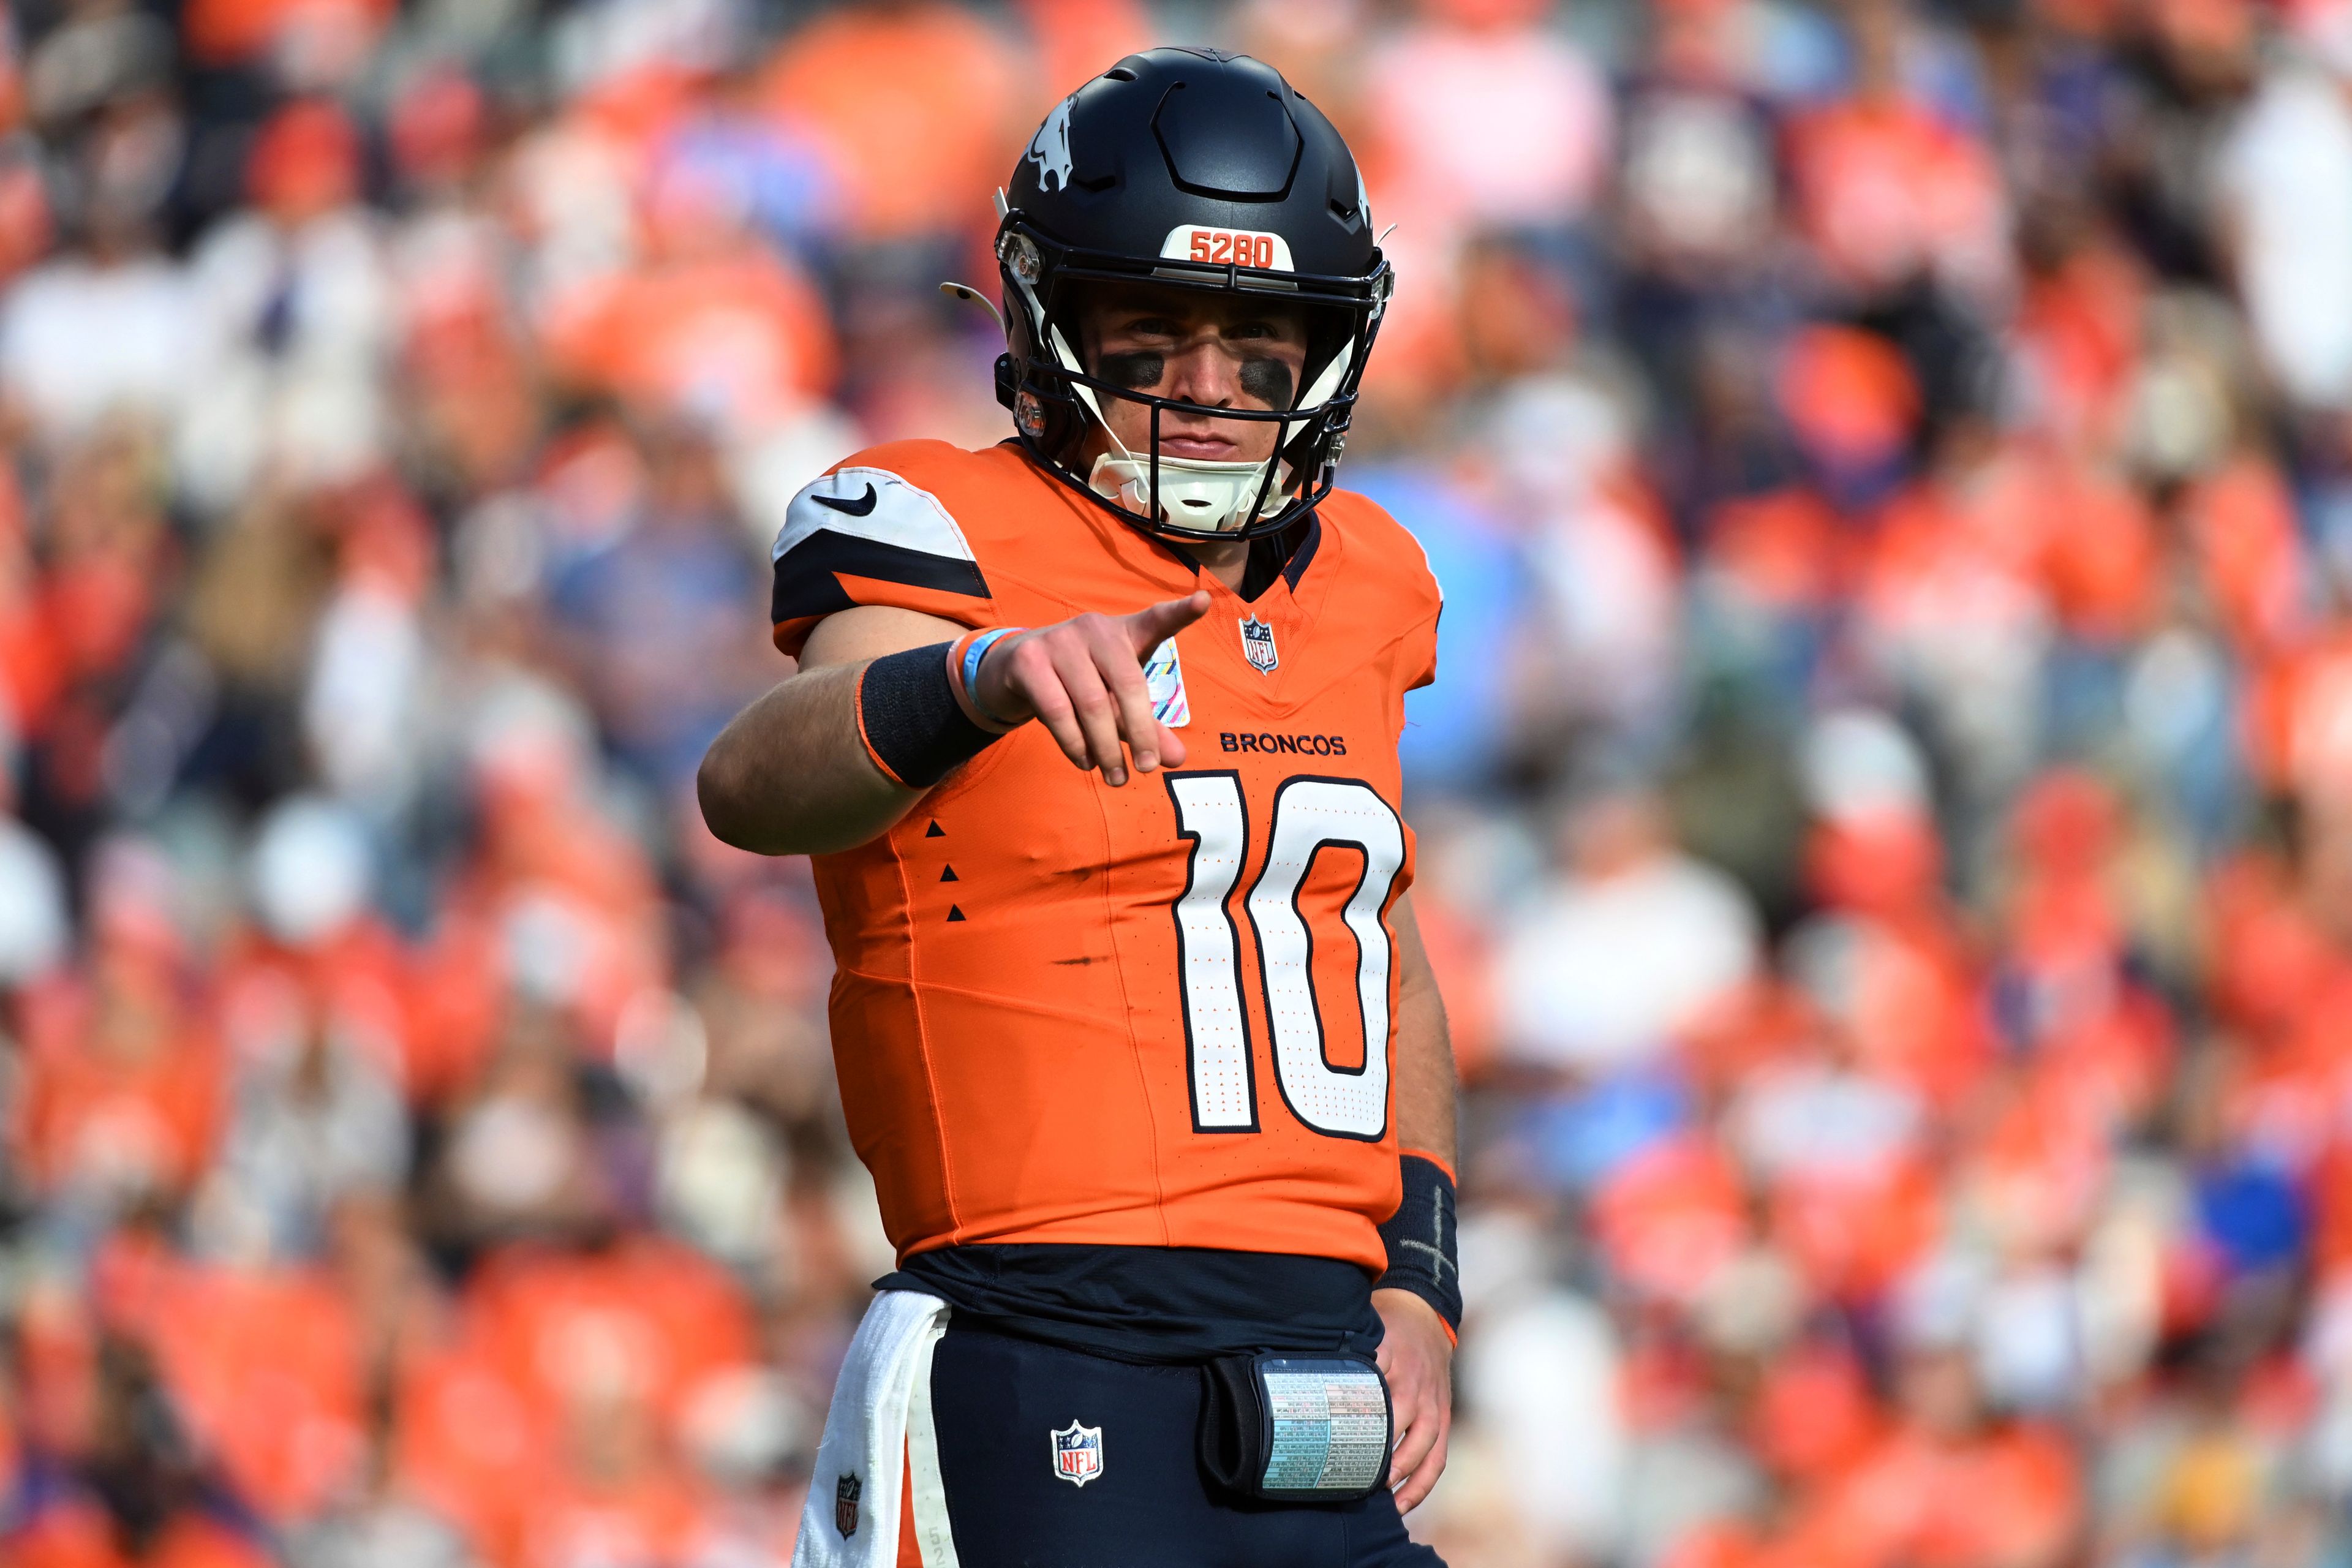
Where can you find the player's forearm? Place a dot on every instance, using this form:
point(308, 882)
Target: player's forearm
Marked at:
point(1424, 1052)
point(790, 776)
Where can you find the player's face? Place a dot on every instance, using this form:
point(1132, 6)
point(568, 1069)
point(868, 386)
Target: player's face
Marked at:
point(1192, 347)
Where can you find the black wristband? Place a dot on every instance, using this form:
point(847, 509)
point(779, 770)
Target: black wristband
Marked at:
point(913, 726)
point(1420, 1243)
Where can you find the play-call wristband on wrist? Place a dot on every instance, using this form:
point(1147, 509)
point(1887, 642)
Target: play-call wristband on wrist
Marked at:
point(964, 656)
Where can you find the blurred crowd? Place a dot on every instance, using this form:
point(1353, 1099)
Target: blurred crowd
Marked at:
point(1885, 812)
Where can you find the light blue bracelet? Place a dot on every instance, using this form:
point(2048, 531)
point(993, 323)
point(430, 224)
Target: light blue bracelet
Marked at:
point(972, 654)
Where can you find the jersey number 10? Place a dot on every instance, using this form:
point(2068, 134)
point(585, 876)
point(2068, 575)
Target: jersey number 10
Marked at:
point(1311, 815)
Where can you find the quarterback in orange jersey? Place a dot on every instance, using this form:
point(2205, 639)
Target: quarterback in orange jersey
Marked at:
point(1094, 745)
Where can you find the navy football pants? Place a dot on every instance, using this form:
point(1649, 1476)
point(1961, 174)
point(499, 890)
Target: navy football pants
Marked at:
point(997, 1401)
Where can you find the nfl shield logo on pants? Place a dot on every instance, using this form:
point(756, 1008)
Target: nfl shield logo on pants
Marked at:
point(1077, 1453)
point(845, 1504)
point(1257, 643)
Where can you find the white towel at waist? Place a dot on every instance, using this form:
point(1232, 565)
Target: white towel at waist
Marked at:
point(878, 1429)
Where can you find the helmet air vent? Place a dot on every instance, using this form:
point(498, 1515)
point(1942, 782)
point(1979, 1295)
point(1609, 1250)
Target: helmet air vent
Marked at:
point(1222, 138)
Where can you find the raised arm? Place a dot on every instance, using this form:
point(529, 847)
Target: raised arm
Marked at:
point(802, 770)
point(790, 775)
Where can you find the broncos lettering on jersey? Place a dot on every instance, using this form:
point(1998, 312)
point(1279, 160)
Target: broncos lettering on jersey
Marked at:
point(1156, 1015)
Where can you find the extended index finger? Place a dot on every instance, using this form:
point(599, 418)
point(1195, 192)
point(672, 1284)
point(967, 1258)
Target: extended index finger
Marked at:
point(1155, 623)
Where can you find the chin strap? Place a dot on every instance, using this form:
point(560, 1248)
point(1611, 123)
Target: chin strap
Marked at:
point(1197, 494)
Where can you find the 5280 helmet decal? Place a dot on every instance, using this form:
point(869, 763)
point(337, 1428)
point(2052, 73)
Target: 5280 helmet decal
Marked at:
point(1201, 170)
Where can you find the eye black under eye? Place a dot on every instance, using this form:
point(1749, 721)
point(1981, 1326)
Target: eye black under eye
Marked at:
point(1268, 381)
point(1137, 368)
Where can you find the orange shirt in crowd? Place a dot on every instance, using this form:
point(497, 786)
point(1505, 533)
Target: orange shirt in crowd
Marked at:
point(656, 1517)
point(1460, 958)
point(919, 109)
point(2009, 1497)
point(546, 849)
point(2297, 719)
point(33, 663)
point(1854, 1235)
point(739, 336)
point(266, 1368)
point(233, 32)
point(1912, 1011)
point(2038, 518)
point(2101, 559)
point(457, 1004)
point(1814, 1415)
point(1886, 862)
point(2268, 957)
point(78, 1535)
point(1883, 190)
point(1671, 1216)
point(1781, 550)
point(356, 980)
point(645, 1311)
point(1076, 39)
point(136, 1114)
point(547, 1339)
point(2240, 522)
point(1753, 1027)
point(1849, 394)
point(470, 1444)
point(2078, 335)
point(2036, 1174)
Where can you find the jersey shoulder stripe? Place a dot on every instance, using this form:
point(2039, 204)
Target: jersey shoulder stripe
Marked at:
point(859, 531)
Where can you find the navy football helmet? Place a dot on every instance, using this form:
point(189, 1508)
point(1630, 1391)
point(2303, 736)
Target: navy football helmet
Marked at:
point(1200, 170)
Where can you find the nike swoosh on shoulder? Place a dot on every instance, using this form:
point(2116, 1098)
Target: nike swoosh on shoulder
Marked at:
point(859, 507)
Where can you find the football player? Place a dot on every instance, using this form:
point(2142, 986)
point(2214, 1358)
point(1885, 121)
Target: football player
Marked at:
point(1094, 744)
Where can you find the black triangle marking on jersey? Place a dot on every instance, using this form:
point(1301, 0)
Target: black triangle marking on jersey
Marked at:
point(954, 914)
point(948, 875)
point(935, 830)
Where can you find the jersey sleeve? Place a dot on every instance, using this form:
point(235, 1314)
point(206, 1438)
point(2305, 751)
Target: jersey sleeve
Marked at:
point(865, 534)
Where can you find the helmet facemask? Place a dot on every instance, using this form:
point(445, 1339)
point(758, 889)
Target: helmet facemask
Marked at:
point(1057, 400)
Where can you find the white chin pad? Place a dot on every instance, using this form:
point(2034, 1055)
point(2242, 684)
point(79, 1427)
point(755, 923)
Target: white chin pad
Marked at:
point(1195, 494)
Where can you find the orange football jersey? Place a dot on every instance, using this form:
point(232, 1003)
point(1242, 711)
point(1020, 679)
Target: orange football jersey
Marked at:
point(1160, 1015)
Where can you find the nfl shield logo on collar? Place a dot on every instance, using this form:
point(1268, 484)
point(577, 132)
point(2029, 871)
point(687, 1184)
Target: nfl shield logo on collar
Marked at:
point(1077, 1453)
point(1257, 643)
point(845, 1504)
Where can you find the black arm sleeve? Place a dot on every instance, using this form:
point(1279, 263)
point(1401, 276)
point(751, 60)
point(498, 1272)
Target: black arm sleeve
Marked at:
point(913, 726)
point(1421, 1242)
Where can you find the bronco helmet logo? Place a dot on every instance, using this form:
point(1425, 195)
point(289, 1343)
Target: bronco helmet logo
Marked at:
point(1050, 149)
